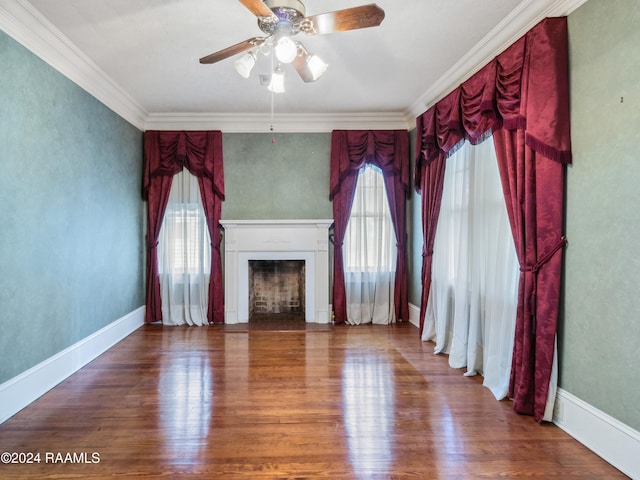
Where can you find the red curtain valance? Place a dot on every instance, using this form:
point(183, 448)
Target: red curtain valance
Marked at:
point(167, 152)
point(525, 87)
point(351, 149)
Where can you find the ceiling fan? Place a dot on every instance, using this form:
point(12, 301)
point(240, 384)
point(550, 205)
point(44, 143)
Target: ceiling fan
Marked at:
point(282, 19)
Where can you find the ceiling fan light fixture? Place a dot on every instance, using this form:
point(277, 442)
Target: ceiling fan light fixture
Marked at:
point(286, 50)
point(245, 63)
point(280, 21)
point(276, 85)
point(317, 66)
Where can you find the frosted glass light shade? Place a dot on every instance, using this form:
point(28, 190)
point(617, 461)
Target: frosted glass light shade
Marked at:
point(277, 82)
point(317, 66)
point(286, 50)
point(245, 63)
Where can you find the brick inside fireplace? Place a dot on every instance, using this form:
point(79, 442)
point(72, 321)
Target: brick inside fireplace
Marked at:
point(276, 287)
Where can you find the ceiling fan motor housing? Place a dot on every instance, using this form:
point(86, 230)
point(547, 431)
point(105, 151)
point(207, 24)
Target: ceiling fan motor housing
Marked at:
point(289, 13)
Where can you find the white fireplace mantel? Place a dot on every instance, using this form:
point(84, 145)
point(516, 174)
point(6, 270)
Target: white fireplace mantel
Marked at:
point(246, 240)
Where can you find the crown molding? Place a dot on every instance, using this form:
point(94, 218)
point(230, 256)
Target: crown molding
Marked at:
point(282, 123)
point(522, 19)
point(27, 26)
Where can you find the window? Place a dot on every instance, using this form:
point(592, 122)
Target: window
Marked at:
point(369, 243)
point(187, 241)
point(184, 255)
point(370, 252)
point(472, 304)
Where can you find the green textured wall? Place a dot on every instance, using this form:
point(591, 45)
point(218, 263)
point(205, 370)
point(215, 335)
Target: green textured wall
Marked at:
point(70, 212)
point(287, 179)
point(600, 329)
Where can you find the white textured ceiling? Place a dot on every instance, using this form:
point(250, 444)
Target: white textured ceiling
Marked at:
point(150, 49)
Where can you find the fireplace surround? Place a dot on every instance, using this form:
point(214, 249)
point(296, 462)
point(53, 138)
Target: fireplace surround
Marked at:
point(306, 240)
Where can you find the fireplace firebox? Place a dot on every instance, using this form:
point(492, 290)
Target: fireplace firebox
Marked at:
point(276, 286)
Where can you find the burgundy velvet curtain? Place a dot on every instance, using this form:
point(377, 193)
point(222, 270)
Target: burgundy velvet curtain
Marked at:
point(165, 154)
point(429, 181)
point(388, 150)
point(522, 97)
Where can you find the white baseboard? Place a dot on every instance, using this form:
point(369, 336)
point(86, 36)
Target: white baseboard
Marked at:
point(615, 442)
point(20, 391)
point(414, 315)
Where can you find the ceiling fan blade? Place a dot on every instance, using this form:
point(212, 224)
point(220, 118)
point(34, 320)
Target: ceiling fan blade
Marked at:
point(342, 20)
point(302, 67)
point(233, 50)
point(258, 8)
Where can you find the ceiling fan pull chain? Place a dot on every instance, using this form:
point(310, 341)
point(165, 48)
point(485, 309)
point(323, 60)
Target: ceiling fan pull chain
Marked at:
point(273, 138)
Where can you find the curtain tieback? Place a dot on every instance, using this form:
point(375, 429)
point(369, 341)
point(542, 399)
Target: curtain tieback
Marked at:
point(545, 258)
point(535, 268)
point(151, 244)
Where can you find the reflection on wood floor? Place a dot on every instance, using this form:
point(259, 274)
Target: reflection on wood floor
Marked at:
point(366, 402)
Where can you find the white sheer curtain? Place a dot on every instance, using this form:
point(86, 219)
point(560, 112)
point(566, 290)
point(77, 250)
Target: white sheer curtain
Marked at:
point(184, 255)
point(370, 252)
point(471, 310)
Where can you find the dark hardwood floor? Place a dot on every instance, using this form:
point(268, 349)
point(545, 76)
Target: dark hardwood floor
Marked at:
point(367, 402)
